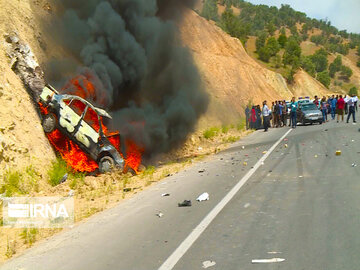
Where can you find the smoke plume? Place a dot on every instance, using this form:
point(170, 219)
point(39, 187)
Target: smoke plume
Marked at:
point(131, 50)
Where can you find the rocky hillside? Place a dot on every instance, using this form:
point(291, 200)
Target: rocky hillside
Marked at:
point(22, 141)
point(231, 77)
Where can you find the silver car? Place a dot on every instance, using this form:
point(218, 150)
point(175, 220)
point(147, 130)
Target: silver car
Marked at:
point(309, 113)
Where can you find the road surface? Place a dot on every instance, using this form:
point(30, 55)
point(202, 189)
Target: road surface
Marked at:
point(301, 203)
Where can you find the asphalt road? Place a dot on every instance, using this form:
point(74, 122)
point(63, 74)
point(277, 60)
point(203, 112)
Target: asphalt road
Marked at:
point(301, 204)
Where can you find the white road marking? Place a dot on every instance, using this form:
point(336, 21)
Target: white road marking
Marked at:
point(194, 235)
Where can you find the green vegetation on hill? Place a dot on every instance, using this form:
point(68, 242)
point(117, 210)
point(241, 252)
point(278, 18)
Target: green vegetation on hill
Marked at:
point(283, 51)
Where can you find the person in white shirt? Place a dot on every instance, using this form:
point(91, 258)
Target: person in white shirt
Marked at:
point(351, 102)
point(266, 116)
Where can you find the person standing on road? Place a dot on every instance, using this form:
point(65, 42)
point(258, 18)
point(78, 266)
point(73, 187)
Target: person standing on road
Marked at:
point(266, 116)
point(316, 101)
point(252, 118)
point(351, 103)
point(293, 108)
point(340, 108)
point(346, 105)
point(333, 102)
point(247, 116)
point(284, 113)
point(324, 108)
point(258, 117)
point(281, 108)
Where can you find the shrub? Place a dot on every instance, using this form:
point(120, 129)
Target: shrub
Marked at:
point(353, 91)
point(211, 132)
point(324, 78)
point(12, 184)
point(57, 171)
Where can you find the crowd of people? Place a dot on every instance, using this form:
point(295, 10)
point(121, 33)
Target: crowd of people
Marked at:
point(281, 111)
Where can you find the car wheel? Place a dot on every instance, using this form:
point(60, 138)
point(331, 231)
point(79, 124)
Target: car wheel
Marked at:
point(106, 164)
point(320, 122)
point(303, 122)
point(49, 123)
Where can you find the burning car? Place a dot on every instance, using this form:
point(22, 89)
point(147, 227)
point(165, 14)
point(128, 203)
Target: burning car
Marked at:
point(82, 123)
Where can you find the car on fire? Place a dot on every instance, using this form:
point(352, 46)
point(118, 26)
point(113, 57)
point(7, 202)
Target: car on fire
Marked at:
point(309, 113)
point(82, 123)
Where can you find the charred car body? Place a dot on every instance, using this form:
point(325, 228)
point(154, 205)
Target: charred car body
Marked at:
point(81, 122)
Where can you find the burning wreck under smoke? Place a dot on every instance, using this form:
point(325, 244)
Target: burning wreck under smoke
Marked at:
point(128, 59)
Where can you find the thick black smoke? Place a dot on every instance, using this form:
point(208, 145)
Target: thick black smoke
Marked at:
point(146, 76)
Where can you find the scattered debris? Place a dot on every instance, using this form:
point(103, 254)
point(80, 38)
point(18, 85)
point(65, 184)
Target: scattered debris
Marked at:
point(243, 147)
point(64, 178)
point(245, 163)
point(285, 145)
point(203, 197)
point(300, 176)
point(338, 153)
point(325, 129)
point(246, 205)
point(202, 170)
point(315, 156)
point(165, 194)
point(185, 203)
point(208, 264)
point(353, 165)
point(262, 163)
point(274, 252)
point(160, 214)
point(273, 260)
point(264, 152)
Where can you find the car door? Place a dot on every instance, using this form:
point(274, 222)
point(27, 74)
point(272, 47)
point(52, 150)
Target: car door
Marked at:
point(87, 132)
point(70, 114)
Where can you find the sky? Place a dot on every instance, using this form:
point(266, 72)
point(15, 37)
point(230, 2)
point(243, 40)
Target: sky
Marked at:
point(343, 14)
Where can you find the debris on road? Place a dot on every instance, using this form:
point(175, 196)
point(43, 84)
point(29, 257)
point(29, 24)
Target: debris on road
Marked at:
point(353, 165)
point(202, 170)
point(262, 163)
point(64, 178)
point(203, 197)
point(315, 156)
point(246, 205)
point(274, 252)
point(243, 147)
point(338, 153)
point(160, 214)
point(264, 152)
point(165, 194)
point(185, 203)
point(273, 260)
point(285, 145)
point(245, 163)
point(208, 264)
point(300, 176)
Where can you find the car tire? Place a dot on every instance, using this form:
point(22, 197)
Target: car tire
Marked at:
point(320, 122)
point(49, 123)
point(106, 164)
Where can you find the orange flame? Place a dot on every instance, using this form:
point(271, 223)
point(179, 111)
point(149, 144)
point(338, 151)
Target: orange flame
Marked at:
point(133, 156)
point(71, 152)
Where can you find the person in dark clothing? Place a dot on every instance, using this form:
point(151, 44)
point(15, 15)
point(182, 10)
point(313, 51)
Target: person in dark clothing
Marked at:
point(247, 116)
point(258, 117)
point(284, 113)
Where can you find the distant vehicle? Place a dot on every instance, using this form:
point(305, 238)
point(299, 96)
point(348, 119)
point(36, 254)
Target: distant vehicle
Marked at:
point(309, 113)
point(304, 100)
point(81, 122)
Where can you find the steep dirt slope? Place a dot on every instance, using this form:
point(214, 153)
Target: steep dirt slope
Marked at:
point(231, 77)
point(305, 85)
point(22, 140)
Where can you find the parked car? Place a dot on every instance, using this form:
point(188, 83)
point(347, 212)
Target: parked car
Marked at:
point(309, 113)
point(81, 122)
